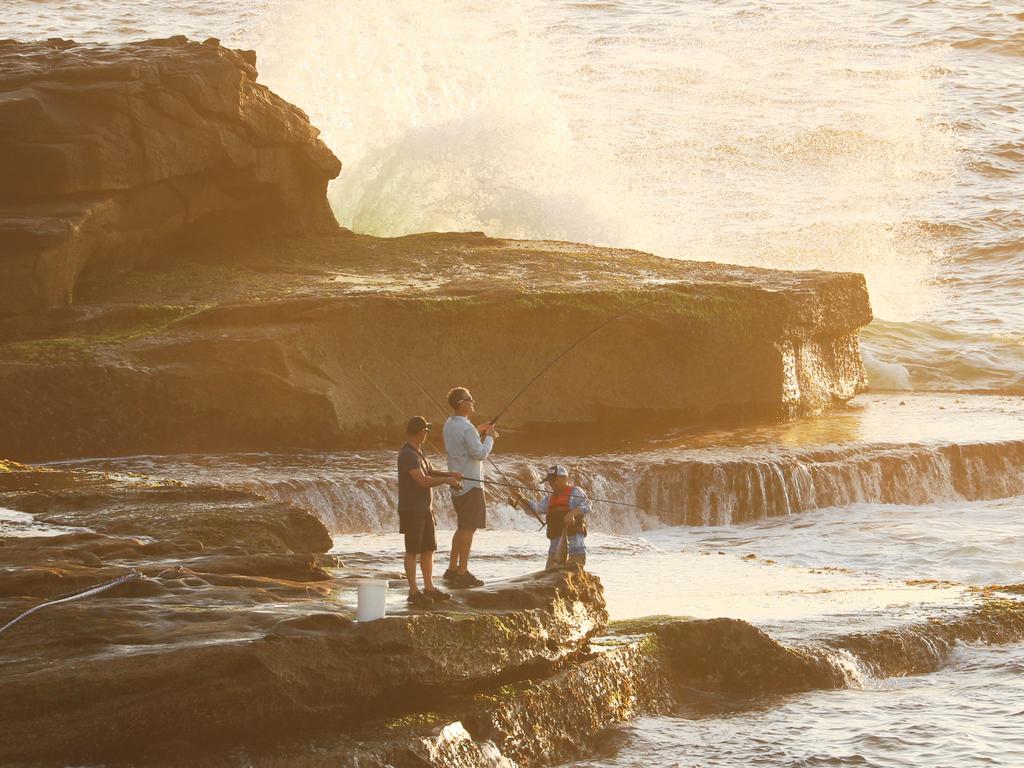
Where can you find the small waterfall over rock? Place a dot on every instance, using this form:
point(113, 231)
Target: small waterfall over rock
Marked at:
point(355, 493)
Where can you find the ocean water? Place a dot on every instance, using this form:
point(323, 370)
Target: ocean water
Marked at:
point(964, 715)
point(809, 530)
point(802, 577)
point(878, 136)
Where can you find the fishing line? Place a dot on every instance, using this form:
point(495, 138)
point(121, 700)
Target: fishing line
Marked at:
point(402, 411)
point(388, 398)
point(516, 396)
point(444, 411)
point(590, 498)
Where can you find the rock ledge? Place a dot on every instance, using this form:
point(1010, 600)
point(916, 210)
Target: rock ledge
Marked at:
point(116, 153)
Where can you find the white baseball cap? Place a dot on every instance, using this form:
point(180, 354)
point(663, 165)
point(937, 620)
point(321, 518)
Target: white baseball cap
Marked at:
point(556, 471)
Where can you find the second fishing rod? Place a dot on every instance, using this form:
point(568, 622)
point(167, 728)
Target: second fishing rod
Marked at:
point(547, 367)
point(533, 489)
point(510, 482)
point(397, 407)
point(490, 460)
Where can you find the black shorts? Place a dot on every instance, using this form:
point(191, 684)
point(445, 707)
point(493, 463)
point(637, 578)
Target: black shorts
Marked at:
point(418, 528)
point(470, 509)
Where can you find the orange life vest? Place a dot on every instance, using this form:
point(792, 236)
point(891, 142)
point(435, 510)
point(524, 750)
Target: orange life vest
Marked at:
point(558, 508)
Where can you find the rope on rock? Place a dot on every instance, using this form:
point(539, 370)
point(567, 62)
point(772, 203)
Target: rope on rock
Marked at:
point(88, 592)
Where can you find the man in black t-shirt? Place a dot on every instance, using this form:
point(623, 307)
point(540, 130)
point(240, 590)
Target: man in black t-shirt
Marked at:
point(416, 482)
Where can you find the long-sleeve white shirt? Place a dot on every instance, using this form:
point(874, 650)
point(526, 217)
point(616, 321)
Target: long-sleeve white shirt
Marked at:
point(466, 451)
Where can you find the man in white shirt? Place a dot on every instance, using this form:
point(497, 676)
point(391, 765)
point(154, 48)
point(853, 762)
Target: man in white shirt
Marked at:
point(467, 447)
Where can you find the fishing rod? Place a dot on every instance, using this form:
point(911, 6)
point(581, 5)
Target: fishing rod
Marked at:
point(490, 461)
point(398, 408)
point(589, 498)
point(515, 397)
point(508, 483)
point(562, 354)
point(382, 393)
point(387, 397)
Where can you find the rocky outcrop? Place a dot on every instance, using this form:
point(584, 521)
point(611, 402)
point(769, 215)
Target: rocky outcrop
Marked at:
point(733, 657)
point(264, 326)
point(238, 643)
point(115, 153)
point(550, 721)
point(308, 343)
point(921, 648)
point(539, 722)
point(240, 630)
point(235, 644)
point(216, 680)
point(653, 666)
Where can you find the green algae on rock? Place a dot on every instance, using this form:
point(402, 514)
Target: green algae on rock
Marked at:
point(176, 282)
point(256, 346)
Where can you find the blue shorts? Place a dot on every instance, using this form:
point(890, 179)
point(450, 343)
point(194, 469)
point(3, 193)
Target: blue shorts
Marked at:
point(577, 545)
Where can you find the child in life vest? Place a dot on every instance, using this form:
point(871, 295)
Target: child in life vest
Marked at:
point(565, 510)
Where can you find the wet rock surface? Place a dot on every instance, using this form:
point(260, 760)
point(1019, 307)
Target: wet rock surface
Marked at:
point(176, 282)
point(922, 648)
point(553, 720)
point(301, 343)
point(732, 656)
point(537, 722)
point(649, 667)
point(236, 645)
point(116, 153)
point(735, 658)
point(240, 630)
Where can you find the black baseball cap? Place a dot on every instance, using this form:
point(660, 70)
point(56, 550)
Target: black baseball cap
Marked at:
point(417, 424)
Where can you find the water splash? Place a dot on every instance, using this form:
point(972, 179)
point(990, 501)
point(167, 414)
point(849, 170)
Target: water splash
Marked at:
point(859, 135)
point(884, 376)
point(444, 116)
point(23, 525)
point(691, 131)
point(851, 668)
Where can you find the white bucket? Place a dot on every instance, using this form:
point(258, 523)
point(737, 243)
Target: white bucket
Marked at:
point(373, 596)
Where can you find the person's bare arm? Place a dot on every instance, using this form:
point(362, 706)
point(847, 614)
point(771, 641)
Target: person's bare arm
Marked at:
point(439, 473)
point(433, 481)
